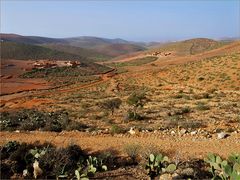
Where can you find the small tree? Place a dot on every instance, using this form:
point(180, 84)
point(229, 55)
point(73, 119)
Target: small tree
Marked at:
point(136, 100)
point(111, 104)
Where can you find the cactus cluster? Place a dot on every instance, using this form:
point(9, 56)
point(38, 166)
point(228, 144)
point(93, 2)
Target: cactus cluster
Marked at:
point(93, 165)
point(224, 169)
point(157, 164)
point(37, 153)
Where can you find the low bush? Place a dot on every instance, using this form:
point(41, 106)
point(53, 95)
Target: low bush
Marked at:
point(192, 124)
point(182, 111)
point(202, 106)
point(134, 116)
point(72, 162)
point(61, 162)
point(136, 100)
point(181, 95)
point(54, 162)
point(111, 104)
point(115, 129)
point(202, 96)
point(132, 151)
point(73, 125)
point(31, 119)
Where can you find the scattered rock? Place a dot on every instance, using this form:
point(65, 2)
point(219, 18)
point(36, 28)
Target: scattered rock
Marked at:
point(94, 133)
point(25, 172)
point(106, 131)
point(175, 175)
point(193, 133)
point(183, 131)
point(165, 177)
point(133, 131)
point(188, 172)
point(208, 136)
point(222, 135)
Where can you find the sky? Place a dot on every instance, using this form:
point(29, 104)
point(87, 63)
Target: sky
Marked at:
point(142, 20)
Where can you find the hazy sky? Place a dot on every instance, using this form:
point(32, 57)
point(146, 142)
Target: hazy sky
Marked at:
point(131, 20)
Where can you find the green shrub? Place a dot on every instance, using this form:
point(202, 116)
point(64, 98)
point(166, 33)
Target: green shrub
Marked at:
point(182, 111)
point(132, 151)
point(61, 162)
point(115, 129)
point(31, 119)
point(202, 106)
point(136, 100)
point(73, 125)
point(8, 148)
point(134, 116)
point(111, 104)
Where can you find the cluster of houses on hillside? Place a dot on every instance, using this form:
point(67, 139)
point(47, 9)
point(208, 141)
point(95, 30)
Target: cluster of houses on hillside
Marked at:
point(159, 53)
point(52, 64)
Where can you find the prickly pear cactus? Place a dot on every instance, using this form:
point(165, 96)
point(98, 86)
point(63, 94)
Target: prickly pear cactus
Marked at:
point(157, 164)
point(223, 169)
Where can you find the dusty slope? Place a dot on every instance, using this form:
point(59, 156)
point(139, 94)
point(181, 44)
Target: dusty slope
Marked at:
point(183, 148)
point(163, 95)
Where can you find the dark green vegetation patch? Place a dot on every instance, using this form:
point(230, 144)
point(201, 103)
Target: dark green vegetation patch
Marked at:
point(11, 50)
point(68, 75)
point(30, 119)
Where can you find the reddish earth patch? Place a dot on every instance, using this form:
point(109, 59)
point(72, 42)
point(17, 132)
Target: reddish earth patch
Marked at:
point(14, 85)
point(33, 103)
point(16, 98)
point(10, 81)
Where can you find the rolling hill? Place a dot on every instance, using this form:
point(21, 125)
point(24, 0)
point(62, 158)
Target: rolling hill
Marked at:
point(12, 50)
point(29, 39)
point(90, 54)
point(99, 53)
point(18, 51)
point(93, 47)
point(191, 46)
point(115, 50)
point(91, 42)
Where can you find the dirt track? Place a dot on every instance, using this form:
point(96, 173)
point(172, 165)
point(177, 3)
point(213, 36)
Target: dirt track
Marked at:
point(175, 147)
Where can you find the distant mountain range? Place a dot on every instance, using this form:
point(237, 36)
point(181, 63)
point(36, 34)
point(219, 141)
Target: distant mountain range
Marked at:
point(95, 47)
